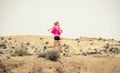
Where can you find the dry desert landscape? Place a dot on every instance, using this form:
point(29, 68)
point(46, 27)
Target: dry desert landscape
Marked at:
point(24, 54)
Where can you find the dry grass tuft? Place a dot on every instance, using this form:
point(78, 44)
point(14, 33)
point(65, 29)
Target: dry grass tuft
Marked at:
point(52, 55)
point(20, 52)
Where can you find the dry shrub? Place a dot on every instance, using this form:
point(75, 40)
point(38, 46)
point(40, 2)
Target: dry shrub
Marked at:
point(9, 38)
point(3, 46)
point(52, 55)
point(46, 42)
point(6, 66)
point(118, 41)
point(21, 52)
point(2, 67)
point(41, 38)
point(100, 39)
point(1, 52)
point(2, 38)
point(59, 70)
point(39, 70)
point(42, 55)
point(28, 44)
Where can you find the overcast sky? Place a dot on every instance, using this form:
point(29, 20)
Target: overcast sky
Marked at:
point(89, 18)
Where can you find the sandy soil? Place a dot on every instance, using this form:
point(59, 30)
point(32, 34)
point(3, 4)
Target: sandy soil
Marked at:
point(84, 55)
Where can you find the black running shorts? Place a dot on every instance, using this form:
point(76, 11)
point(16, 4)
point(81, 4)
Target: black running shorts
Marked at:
point(56, 38)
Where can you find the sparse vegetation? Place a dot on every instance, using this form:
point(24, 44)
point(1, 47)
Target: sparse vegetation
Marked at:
point(41, 38)
point(81, 50)
point(89, 47)
point(90, 40)
point(2, 38)
point(11, 51)
point(59, 69)
point(20, 52)
point(114, 50)
point(46, 42)
point(53, 55)
point(39, 70)
point(67, 46)
point(112, 39)
point(91, 43)
point(104, 40)
point(9, 38)
point(2, 67)
point(106, 46)
point(100, 39)
point(3, 46)
point(1, 52)
point(118, 41)
point(27, 43)
point(5, 41)
point(12, 47)
point(7, 66)
point(42, 55)
point(77, 39)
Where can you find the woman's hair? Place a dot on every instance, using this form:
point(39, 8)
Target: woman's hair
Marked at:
point(56, 23)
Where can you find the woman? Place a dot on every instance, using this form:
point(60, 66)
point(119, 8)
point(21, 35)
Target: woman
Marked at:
point(56, 30)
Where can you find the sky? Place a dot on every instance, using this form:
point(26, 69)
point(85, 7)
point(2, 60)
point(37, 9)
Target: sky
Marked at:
point(77, 18)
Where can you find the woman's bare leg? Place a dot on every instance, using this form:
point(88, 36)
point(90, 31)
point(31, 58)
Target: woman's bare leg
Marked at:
point(54, 46)
point(55, 43)
point(59, 43)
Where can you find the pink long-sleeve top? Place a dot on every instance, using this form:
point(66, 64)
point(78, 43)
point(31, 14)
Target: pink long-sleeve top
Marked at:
point(56, 31)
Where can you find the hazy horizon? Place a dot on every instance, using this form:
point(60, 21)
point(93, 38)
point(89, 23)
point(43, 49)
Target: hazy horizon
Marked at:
point(88, 18)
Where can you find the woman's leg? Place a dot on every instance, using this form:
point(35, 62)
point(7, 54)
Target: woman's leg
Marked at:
point(55, 44)
point(59, 43)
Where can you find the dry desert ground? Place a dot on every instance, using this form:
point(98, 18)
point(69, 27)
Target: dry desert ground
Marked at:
point(24, 54)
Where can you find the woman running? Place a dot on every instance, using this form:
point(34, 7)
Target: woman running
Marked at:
point(56, 30)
